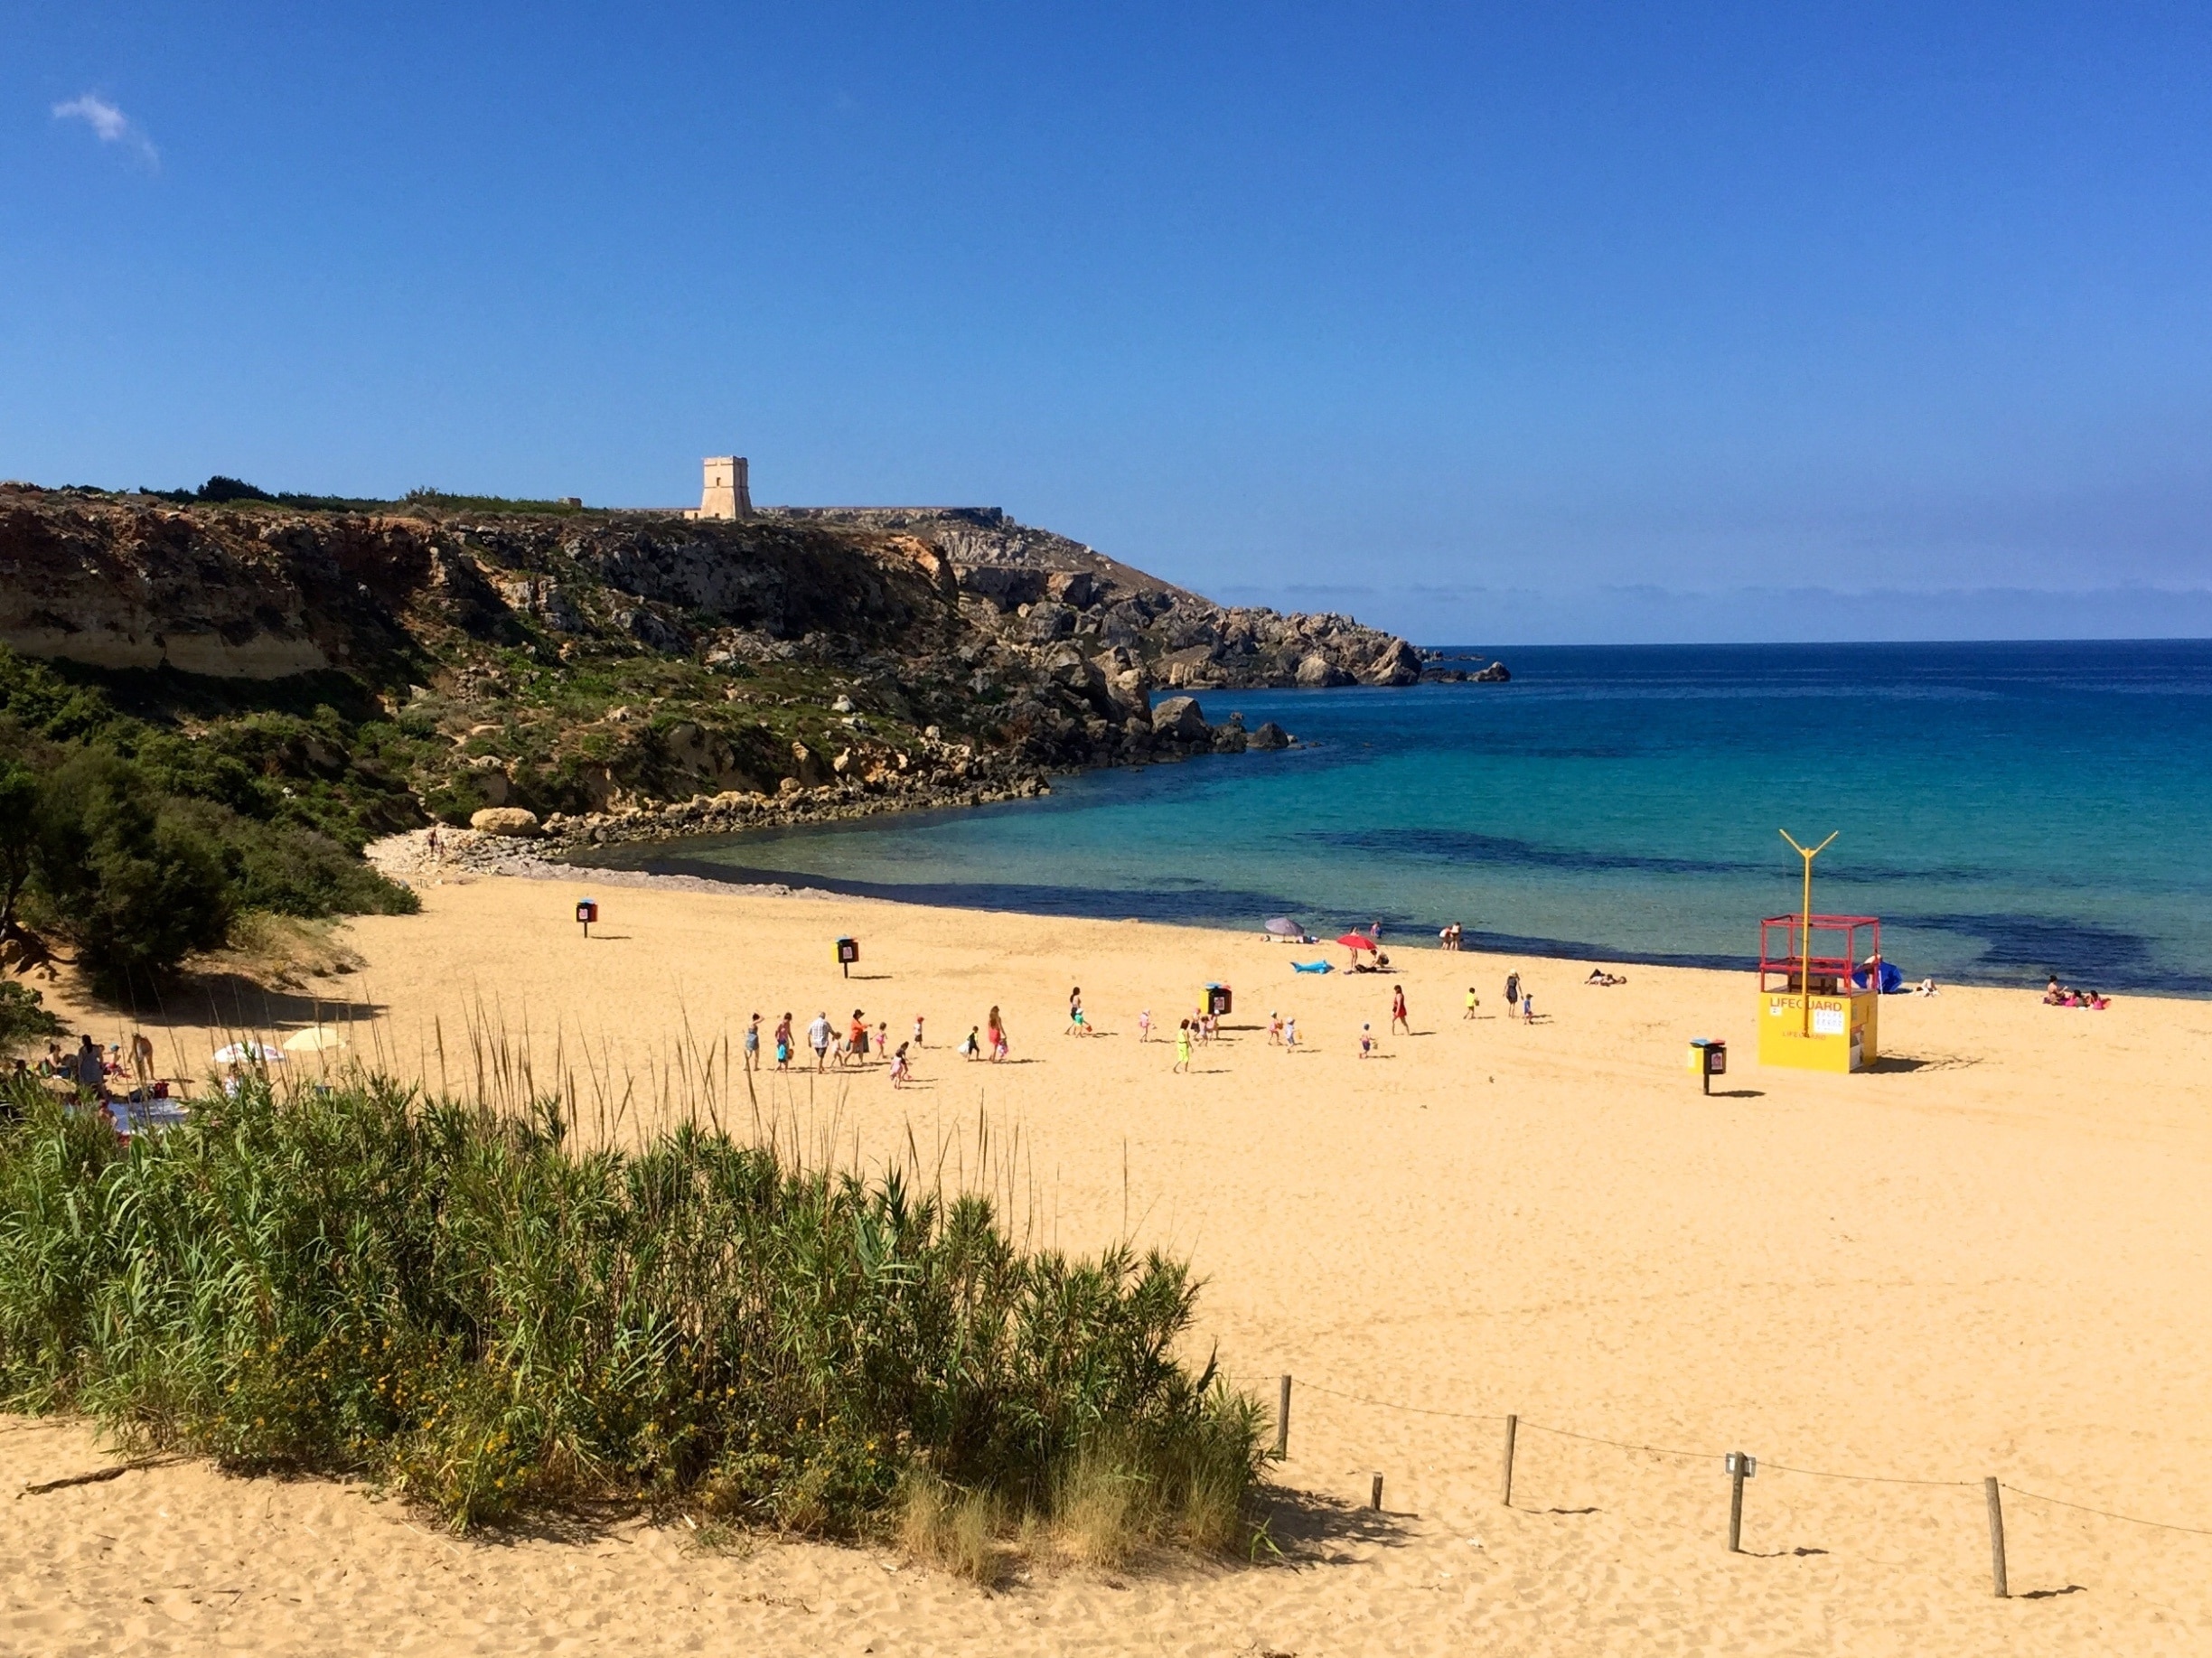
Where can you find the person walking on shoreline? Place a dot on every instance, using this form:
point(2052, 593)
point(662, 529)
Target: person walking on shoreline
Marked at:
point(1472, 1002)
point(783, 1043)
point(1182, 1047)
point(1398, 1011)
point(1513, 993)
point(818, 1038)
point(995, 1033)
point(752, 1044)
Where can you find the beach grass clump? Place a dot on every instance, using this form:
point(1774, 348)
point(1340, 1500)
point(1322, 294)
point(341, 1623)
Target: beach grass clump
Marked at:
point(459, 1303)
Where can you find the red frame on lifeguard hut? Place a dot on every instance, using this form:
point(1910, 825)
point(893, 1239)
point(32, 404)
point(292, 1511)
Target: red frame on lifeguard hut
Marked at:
point(1831, 973)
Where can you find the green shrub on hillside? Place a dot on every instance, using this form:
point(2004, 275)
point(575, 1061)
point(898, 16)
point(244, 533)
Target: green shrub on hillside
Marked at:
point(366, 1283)
point(134, 888)
point(137, 843)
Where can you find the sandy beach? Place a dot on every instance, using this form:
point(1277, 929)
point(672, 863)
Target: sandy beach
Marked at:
point(1988, 1258)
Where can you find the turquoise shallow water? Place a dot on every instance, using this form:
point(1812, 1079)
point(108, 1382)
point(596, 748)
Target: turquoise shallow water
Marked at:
point(2007, 810)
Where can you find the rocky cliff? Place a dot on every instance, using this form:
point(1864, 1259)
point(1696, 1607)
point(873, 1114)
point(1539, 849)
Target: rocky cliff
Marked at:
point(1034, 586)
point(601, 668)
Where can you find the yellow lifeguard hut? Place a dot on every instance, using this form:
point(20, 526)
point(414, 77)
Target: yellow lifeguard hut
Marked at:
point(1819, 1009)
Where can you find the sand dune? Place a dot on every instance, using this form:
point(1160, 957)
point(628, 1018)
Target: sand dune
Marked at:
point(1988, 1258)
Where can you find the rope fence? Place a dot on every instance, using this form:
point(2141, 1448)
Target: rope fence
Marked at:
point(1738, 1466)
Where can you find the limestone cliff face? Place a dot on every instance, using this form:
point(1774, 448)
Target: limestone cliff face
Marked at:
point(137, 587)
point(587, 663)
point(116, 583)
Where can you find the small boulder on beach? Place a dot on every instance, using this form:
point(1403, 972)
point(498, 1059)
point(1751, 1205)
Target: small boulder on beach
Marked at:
point(510, 821)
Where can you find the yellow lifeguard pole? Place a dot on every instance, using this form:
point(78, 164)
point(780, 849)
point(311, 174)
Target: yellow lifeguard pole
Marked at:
point(1804, 919)
point(1838, 1024)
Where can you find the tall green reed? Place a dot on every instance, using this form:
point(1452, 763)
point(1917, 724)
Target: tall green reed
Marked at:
point(491, 1312)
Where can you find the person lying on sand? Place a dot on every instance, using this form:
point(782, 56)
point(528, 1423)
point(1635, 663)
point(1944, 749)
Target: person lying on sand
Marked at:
point(1599, 975)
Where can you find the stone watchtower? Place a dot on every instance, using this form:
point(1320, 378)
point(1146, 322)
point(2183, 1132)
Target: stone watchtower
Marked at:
point(726, 493)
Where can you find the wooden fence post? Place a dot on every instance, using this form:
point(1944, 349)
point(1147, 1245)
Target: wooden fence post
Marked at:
point(1282, 1420)
point(1736, 1479)
point(1374, 1496)
point(1513, 1428)
point(1996, 1522)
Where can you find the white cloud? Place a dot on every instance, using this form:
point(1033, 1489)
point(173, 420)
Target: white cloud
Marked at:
point(109, 124)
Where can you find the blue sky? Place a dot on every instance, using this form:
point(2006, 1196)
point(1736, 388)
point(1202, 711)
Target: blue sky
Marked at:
point(1492, 325)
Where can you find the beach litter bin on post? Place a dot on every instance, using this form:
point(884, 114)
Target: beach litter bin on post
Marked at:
point(1708, 1059)
point(1217, 999)
point(848, 952)
point(587, 912)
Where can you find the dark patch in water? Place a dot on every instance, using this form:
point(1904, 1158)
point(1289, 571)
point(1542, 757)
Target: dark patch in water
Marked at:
point(1471, 847)
point(2021, 948)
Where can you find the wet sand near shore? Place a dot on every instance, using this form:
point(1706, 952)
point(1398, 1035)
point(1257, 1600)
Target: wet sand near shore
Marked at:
point(1988, 1258)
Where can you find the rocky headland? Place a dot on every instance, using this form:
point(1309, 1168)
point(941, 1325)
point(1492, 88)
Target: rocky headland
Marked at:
point(595, 677)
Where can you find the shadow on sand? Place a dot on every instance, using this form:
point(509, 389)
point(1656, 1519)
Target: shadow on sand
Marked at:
point(1311, 1530)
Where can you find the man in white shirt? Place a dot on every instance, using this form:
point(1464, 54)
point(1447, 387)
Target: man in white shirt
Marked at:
point(817, 1035)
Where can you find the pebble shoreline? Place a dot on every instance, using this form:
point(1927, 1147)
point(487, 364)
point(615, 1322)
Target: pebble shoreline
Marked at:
point(465, 853)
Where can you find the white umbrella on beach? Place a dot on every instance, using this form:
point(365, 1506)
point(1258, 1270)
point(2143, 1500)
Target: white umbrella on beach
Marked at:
point(238, 1051)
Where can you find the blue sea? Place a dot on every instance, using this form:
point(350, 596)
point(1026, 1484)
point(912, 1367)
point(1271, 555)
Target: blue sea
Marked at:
point(2007, 810)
